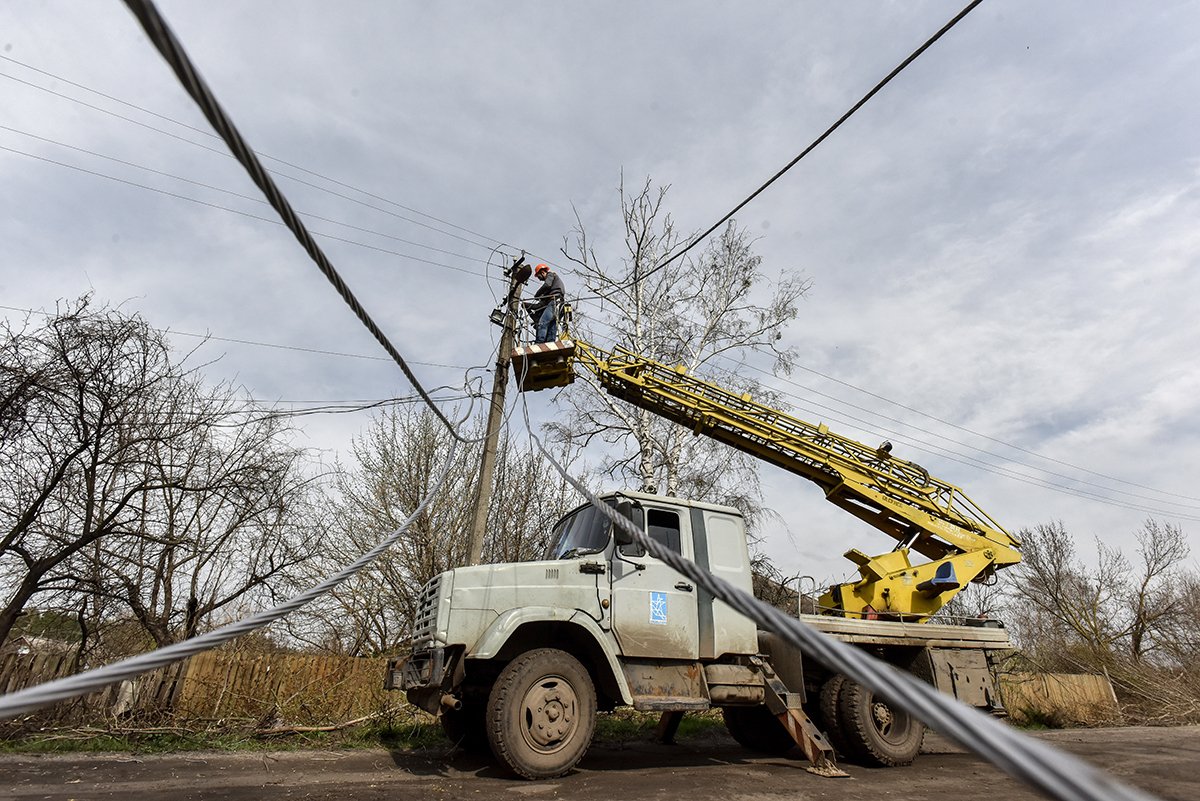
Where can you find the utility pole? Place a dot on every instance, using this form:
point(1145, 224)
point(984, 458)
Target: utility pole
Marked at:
point(518, 274)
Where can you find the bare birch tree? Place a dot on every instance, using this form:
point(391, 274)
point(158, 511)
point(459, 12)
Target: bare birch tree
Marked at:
point(706, 314)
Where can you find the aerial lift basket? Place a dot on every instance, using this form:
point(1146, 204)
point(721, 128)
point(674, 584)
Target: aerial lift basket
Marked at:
point(544, 365)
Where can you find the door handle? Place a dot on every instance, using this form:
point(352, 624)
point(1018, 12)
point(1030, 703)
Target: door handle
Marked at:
point(683, 585)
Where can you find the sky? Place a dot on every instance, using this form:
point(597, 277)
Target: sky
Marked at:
point(1002, 244)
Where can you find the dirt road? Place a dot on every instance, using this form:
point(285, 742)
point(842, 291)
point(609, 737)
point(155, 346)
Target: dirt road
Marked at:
point(1165, 762)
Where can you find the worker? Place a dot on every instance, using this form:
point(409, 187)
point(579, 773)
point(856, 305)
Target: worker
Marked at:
point(544, 307)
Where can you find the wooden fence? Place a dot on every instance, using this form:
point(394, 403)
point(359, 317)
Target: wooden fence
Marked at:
point(304, 689)
point(1060, 699)
point(218, 685)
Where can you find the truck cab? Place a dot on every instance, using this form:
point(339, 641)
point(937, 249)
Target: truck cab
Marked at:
point(600, 595)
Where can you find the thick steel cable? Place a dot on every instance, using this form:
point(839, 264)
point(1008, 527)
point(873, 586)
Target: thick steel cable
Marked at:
point(170, 48)
point(28, 700)
point(862, 102)
point(1054, 772)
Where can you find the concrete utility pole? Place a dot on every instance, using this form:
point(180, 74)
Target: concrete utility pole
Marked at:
point(518, 275)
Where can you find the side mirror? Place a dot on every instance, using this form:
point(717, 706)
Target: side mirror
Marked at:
point(625, 510)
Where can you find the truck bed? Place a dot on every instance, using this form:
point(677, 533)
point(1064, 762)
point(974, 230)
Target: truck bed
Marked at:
point(886, 632)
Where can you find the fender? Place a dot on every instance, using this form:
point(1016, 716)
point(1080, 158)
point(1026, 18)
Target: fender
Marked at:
point(494, 638)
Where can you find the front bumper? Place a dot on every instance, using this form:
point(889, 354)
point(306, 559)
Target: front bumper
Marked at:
point(426, 676)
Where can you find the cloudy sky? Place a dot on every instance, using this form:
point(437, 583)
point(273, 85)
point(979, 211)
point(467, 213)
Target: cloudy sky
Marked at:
point(1003, 244)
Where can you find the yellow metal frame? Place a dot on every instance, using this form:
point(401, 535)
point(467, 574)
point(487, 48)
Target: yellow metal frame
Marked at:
point(927, 515)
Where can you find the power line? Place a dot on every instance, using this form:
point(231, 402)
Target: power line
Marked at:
point(225, 154)
point(950, 439)
point(232, 193)
point(247, 214)
point(1057, 774)
point(170, 331)
point(899, 68)
point(203, 132)
point(170, 48)
point(44, 694)
point(973, 432)
point(1042, 483)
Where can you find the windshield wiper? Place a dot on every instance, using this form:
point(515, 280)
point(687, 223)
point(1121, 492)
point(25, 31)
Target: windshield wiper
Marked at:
point(575, 553)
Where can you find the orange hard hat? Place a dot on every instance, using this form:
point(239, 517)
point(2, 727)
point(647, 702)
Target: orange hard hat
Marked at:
point(541, 268)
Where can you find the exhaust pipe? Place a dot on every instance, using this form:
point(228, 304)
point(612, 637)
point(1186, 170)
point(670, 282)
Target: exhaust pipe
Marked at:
point(450, 702)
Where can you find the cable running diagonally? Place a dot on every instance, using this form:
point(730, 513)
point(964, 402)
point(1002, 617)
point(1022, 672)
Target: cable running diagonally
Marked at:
point(899, 68)
point(214, 338)
point(226, 154)
point(223, 191)
point(1055, 773)
point(170, 48)
point(246, 214)
point(32, 698)
point(876, 428)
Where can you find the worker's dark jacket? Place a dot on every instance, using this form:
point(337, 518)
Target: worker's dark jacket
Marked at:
point(551, 290)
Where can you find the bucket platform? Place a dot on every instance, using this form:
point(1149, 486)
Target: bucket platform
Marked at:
point(544, 365)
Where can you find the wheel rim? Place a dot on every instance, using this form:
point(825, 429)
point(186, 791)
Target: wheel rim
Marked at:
point(549, 714)
point(891, 724)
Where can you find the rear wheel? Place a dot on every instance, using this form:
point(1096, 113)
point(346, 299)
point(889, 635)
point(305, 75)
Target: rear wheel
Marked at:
point(541, 713)
point(830, 722)
point(876, 732)
point(755, 728)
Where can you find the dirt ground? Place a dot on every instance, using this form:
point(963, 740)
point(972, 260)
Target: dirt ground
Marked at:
point(1165, 762)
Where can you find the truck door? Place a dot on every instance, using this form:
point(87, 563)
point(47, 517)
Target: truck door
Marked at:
point(654, 607)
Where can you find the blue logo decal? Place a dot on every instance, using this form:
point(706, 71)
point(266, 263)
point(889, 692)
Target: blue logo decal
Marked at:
point(658, 608)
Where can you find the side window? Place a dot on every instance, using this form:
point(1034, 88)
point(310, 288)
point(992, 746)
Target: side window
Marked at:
point(662, 526)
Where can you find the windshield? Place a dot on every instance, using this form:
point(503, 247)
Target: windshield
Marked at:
point(583, 531)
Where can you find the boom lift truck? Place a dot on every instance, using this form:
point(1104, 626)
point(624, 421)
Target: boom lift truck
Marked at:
point(518, 657)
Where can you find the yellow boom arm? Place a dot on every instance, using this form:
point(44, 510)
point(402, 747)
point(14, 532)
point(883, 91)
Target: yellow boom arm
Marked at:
point(924, 514)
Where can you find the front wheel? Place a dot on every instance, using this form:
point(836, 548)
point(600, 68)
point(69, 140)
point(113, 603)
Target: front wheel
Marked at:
point(541, 713)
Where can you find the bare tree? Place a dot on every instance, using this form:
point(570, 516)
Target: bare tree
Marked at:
point(199, 554)
point(124, 492)
point(695, 312)
point(1157, 607)
point(1138, 622)
point(397, 460)
point(1114, 610)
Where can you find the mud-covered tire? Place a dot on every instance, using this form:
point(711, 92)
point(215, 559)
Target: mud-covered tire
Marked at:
point(541, 713)
point(875, 732)
point(466, 727)
point(755, 728)
point(830, 717)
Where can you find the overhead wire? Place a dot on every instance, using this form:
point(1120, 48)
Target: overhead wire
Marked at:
point(813, 145)
point(268, 156)
point(276, 345)
point(232, 193)
point(249, 215)
point(939, 451)
point(164, 40)
point(32, 698)
point(226, 154)
point(1038, 764)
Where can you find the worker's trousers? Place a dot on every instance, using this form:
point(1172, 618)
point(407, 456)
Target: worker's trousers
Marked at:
point(547, 324)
